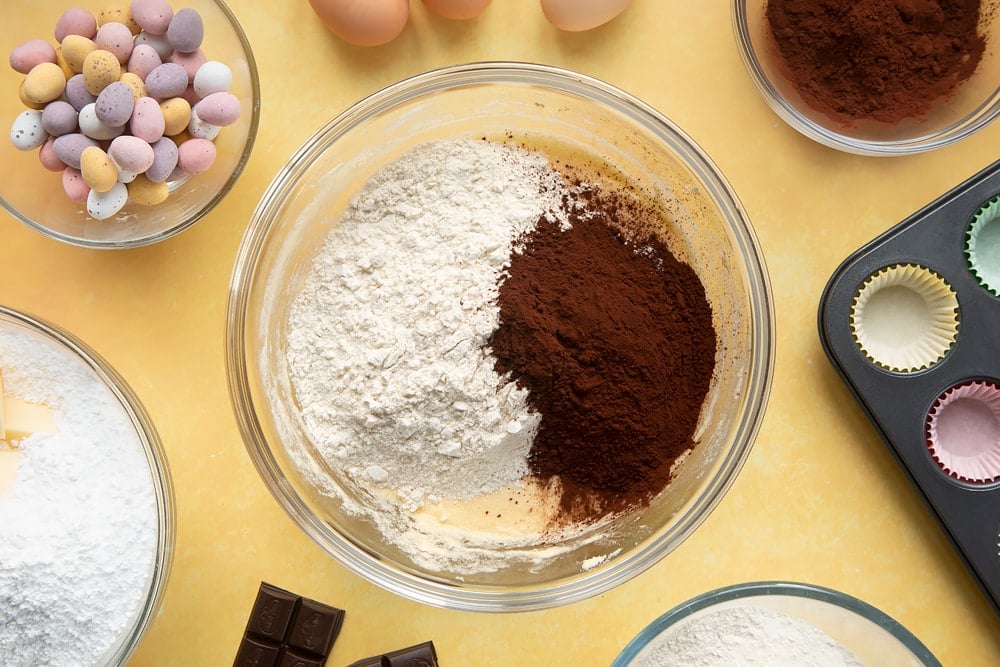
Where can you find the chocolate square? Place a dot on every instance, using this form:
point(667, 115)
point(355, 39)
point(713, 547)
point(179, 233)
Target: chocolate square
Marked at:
point(314, 628)
point(256, 653)
point(272, 612)
point(420, 655)
point(290, 658)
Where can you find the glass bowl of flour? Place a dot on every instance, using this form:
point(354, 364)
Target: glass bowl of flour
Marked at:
point(86, 503)
point(499, 337)
point(775, 623)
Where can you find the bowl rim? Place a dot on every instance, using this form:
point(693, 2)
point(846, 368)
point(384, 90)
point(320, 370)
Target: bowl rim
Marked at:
point(976, 120)
point(156, 458)
point(354, 556)
point(768, 588)
point(224, 190)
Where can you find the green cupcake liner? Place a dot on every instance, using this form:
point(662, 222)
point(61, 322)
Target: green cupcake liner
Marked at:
point(982, 246)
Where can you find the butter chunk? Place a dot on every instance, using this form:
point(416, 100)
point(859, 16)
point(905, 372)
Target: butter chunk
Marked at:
point(19, 419)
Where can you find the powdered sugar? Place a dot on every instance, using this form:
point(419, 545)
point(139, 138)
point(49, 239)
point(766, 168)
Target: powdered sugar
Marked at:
point(386, 340)
point(745, 637)
point(78, 527)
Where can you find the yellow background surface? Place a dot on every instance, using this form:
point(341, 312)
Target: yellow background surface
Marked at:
point(820, 499)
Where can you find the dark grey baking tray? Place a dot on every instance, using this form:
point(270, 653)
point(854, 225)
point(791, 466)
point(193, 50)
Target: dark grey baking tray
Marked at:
point(897, 404)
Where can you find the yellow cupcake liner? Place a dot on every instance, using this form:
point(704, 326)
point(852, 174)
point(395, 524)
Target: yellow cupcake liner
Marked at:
point(982, 246)
point(904, 318)
point(963, 432)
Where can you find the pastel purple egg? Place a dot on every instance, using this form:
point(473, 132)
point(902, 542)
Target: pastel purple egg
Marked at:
point(116, 38)
point(33, 52)
point(195, 156)
point(69, 148)
point(76, 21)
point(186, 30)
point(153, 16)
point(73, 184)
point(47, 156)
point(219, 109)
point(131, 153)
point(59, 118)
point(147, 121)
point(114, 104)
point(144, 59)
point(167, 80)
point(77, 94)
point(164, 160)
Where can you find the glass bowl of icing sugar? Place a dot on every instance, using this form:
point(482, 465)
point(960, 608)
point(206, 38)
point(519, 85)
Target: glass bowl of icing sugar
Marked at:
point(86, 503)
point(775, 623)
point(499, 337)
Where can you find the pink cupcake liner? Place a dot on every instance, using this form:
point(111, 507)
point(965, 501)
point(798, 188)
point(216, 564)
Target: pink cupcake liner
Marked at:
point(963, 432)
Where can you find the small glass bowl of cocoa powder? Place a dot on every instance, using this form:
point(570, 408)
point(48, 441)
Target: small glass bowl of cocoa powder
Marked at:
point(873, 77)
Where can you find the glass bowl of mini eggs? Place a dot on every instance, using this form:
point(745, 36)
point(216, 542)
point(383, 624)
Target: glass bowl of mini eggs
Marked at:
point(124, 130)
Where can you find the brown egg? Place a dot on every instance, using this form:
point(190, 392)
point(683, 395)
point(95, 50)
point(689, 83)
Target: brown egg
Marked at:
point(578, 15)
point(457, 9)
point(363, 22)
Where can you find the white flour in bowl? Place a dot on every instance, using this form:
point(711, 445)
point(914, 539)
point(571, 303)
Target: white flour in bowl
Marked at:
point(745, 636)
point(386, 340)
point(78, 526)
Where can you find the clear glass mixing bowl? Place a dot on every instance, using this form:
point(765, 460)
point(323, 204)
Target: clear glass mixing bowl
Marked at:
point(546, 106)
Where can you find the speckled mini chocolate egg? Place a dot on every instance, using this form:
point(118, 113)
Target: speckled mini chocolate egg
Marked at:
point(26, 132)
point(164, 160)
point(94, 127)
point(26, 55)
point(75, 21)
point(186, 30)
point(74, 186)
point(38, 106)
point(75, 49)
point(100, 68)
point(69, 147)
point(153, 16)
point(147, 120)
point(115, 103)
point(118, 13)
point(116, 38)
point(103, 205)
point(99, 172)
point(199, 129)
point(44, 83)
point(212, 77)
point(190, 61)
point(131, 154)
point(220, 109)
point(159, 44)
point(176, 115)
point(47, 156)
point(146, 192)
point(76, 92)
point(134, 82)
point(59, 118)
point(195, 156)
point(166, 81)
point(143, 60)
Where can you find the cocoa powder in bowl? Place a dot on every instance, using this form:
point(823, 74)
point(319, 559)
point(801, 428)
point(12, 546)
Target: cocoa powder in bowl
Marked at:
point(883, 60)
point(613, 336)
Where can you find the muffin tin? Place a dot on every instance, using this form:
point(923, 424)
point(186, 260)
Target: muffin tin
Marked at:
point(923, 286)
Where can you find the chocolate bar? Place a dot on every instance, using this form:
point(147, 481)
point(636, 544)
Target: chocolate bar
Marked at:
point(288, 630)
point(418, 655)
